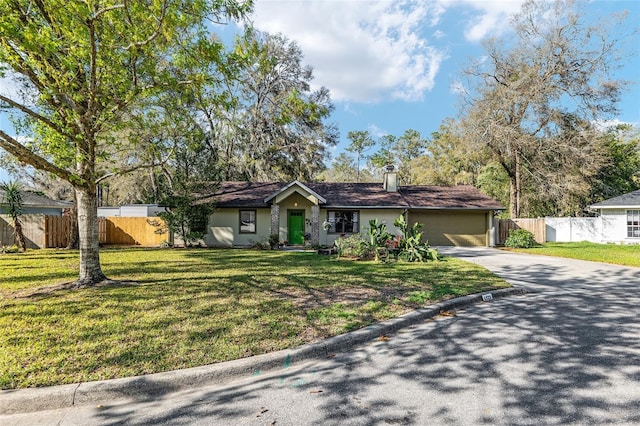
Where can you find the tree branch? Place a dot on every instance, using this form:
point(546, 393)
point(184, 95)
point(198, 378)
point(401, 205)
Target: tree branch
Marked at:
point(137, 167)
point(154, 34)
point(15, 148)
point(105, 10)
point(33, 114)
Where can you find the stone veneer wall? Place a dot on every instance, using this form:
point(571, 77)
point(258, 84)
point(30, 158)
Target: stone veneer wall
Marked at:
point(275, 219)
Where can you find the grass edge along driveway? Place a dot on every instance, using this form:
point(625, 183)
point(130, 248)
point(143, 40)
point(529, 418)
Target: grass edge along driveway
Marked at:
point(185, 308)
point(617, 254)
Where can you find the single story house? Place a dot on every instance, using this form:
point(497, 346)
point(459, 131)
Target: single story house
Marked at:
point(318, 213)
point(34, 203)
point(620, 218)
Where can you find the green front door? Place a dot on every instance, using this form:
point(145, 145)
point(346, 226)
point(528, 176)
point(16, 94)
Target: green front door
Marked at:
point(296, 227)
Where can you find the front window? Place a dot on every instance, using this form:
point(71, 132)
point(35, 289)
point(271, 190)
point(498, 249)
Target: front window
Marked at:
point(247, 221)
point(343, 222)
point(633, 223)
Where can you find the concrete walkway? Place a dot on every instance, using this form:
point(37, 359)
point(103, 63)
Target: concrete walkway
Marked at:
point(568, 353)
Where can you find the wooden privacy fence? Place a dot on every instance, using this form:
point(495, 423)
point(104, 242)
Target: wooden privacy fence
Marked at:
point(53, 231)
point(536, 226)
point(56, 231)
point(32, 228)
point(139, 231)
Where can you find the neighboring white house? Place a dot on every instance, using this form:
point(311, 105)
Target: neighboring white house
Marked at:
point(131, 210)
point(620, 218)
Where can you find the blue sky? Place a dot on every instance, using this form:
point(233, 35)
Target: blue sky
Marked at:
point(393, 65)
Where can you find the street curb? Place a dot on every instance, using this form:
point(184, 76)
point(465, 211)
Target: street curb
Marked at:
point(153, 385)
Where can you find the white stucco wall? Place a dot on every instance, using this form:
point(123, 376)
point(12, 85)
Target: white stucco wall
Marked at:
point(223, 229)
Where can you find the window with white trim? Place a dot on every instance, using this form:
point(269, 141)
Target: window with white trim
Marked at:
point(343, 221)
point(633, 223)
point(247, 221)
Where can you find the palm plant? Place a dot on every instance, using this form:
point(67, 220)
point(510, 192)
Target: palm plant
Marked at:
point(13, 199)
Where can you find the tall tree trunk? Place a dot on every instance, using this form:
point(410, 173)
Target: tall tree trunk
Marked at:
point(73, 240)
point(90, 270)
point(518, 182)
point(513, 204)
point(19, 235)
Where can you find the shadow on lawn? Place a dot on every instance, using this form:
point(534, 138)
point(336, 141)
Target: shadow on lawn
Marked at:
point(266, 301)
point(561, 357)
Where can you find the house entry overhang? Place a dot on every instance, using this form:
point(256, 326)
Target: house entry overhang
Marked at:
point(293, 188)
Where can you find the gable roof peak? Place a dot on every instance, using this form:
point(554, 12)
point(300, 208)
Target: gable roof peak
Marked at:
point(302, 186)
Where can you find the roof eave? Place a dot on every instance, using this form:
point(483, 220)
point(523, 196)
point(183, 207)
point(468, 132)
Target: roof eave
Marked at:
point(629, 206)
point(331, 206)
point(456, 208)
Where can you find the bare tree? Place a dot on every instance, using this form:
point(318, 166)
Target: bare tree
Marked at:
point(535, 98)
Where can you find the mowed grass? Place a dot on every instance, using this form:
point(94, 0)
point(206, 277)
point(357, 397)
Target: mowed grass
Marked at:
point(627, 255)
point(185, 308)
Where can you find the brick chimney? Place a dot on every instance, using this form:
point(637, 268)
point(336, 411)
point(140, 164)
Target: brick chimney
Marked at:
point(390, 183)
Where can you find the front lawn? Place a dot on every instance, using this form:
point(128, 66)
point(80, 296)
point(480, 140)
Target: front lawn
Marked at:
point(184, 308)
point(628, 255)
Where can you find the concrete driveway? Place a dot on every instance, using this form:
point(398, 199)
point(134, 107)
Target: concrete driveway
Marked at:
point(567, 353)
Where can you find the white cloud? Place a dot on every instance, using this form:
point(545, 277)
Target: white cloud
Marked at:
point(493, 18)
point(349, 109)
point(457, 88)
point(605, 125)
point(363, 51)
point(438, 34)
point(376, 131)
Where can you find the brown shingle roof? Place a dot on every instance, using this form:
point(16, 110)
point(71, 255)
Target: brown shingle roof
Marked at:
point(449, 197)
point(243, 194)
point(368, 195)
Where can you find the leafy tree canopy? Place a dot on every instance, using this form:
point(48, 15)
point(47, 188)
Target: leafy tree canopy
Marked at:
point(84, 70)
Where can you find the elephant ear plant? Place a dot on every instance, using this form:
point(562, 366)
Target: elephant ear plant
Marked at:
point(412, 249)
point(378, 237)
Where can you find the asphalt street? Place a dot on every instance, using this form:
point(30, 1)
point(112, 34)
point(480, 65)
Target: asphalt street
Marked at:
point(566, 353)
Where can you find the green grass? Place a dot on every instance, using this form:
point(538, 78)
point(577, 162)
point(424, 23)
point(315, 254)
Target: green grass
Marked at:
point(184, 308)
point(628, 255)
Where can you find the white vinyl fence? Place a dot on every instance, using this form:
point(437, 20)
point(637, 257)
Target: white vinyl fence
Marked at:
point(574, 229)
